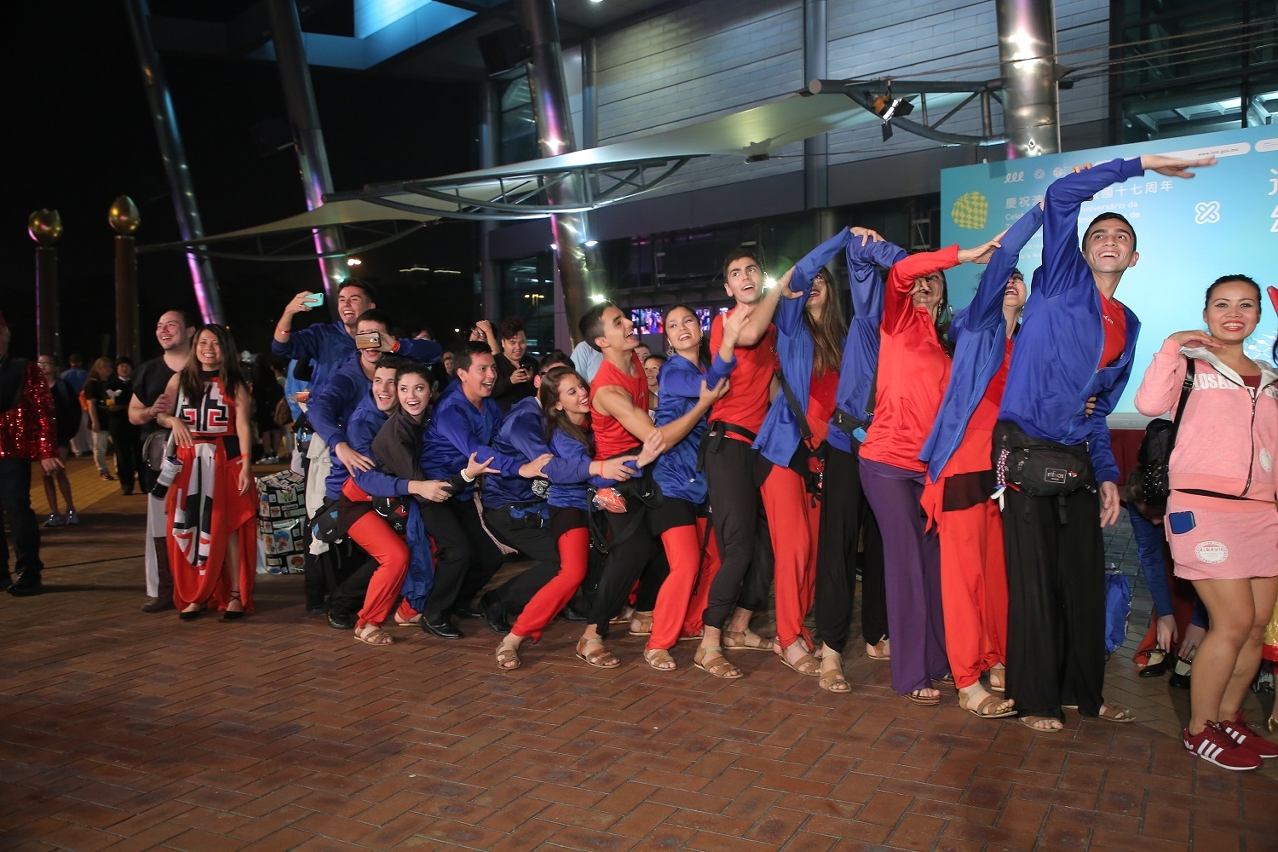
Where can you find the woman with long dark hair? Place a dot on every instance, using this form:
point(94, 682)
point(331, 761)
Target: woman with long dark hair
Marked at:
point(212, 502)
point(565, 399)
point(1221, 521)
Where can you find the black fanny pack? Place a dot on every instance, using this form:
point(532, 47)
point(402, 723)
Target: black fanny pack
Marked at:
point(1038, 467)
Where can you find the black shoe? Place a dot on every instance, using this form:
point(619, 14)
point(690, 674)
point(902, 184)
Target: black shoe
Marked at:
point(495, 614)
point(192, 615)
point(1181, 674)
point(1157, 669)
point(26, 585)
point(340, 620)
point(316, 606)
point(573, 615)
point(468, 610)
point(444, 629)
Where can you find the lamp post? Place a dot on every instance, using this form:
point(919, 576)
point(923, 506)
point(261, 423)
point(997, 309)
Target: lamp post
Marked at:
point(124, 218)
point(45, 227)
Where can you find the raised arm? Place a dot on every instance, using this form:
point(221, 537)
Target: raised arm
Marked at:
point(986, 309)
point(789, 318)
point(285, 342)
point(761, 312)
point(866, 252)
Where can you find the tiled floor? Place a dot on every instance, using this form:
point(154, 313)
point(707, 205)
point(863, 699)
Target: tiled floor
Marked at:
point(129, 731)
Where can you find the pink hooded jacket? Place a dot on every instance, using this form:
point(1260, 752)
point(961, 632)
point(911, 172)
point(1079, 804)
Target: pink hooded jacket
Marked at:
point(1228, 438)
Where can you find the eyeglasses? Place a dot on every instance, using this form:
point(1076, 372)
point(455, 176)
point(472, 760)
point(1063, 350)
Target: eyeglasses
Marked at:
point(46, 363)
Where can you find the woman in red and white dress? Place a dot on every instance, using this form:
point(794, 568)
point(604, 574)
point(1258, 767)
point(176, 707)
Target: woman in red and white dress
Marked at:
point(212, 502)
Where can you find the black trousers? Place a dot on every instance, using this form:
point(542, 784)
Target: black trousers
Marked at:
point(1056, 603)
point(127, 441)
point(734, 476)
point(540, 545)
point(15, 501)
point(465, 560)
point(845, 514)
point(633, 552)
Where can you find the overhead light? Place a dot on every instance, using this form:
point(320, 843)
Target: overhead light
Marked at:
point(554, 247)
point(591, 243)
point(448, 272)
point(769, 282)
point(887, 108)
point(597, 299)
point(353, 261)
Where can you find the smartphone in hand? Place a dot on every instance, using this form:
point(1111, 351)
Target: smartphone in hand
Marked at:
point(314, 300)
point(368, 340)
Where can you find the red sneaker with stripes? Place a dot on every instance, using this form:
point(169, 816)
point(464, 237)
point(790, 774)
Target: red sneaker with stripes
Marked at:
point(1240, 733)
point(1215, 746)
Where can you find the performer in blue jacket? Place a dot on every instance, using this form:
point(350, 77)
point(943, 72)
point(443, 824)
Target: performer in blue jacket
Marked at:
point(1076, 342)
point(846, 517)
point(956, 496)
point(682, 520)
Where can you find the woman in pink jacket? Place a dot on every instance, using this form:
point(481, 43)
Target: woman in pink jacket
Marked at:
point(1221, 518)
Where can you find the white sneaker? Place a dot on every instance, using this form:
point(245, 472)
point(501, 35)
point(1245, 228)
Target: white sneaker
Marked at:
point(55, 520)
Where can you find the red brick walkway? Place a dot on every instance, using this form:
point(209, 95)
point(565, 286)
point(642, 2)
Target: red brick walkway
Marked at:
point(129, 731)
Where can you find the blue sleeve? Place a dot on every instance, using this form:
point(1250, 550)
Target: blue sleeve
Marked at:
point(375, 483)
point(986, 309)
point(1149, 548)
point(360, 432)
point(422, 351)
point(719, 370)
point(302, 345)
point(679, 381)
point(1098, 445)
point(789, 318)
point(571, 461)
point(1063, 263)
point(864, 279)
point(523, 431)
point(456, 431)
point(326, 407)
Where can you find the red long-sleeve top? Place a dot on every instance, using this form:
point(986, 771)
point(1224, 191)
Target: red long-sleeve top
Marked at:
point(27, 430)
point(913, 368)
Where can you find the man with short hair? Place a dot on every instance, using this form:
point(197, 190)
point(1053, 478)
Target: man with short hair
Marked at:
point(1076, 342)
point(27, 434)
point(173, 332)
point(463, 428)
point(328, 345)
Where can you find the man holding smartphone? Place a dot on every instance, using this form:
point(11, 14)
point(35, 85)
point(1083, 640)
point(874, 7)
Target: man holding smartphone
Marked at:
point(327, 344)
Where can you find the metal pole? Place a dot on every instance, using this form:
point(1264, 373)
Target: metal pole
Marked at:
point(549, 92)
point(815, 148)
point(590, 93)
point(45, 227)
point(308, 138)
point(1027, 57)
point(174, 156)
point(489, 287)
point(123, 217)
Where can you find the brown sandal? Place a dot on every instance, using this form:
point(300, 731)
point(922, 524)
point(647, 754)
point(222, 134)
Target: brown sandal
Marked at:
point(745, 640)
point(832, 679)
point(998, 679)
point(371, 634)
point(718, 665)
point(641, 624)
point(660, 659)
point(987, 707)
point(880, 651)
point(805, 665)
point(508, 654)
point(601, 659)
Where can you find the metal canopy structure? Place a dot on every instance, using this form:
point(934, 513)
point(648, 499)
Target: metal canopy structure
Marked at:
point(610, 173)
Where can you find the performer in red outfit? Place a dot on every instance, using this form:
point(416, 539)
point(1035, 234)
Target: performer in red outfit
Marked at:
point(27, 433)
point(212, 502)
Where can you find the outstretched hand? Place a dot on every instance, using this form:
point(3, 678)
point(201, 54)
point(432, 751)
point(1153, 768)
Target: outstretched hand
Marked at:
point(866, 235)
point(980, 254)
point(1174, 166)
point(1199, 339)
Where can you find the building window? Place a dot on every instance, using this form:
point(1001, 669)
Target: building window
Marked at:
point(518, 136)
point(528, 291)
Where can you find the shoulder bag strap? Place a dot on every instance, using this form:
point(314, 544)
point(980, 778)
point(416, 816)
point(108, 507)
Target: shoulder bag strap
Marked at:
point(795, 407)
point(1185, 388)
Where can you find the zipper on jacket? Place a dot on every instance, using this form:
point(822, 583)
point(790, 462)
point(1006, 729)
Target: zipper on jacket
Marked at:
point(1251, 431)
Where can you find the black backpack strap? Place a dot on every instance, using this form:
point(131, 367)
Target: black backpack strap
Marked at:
point(795, 407)
point(1185, 387)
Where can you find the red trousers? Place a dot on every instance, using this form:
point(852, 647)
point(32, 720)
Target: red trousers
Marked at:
point(793, 522)
point(679, 608)
point(379, 541)
point(574, 554)
point(973, 590)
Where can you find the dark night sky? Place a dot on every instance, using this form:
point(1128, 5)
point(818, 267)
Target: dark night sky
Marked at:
point(83, 134)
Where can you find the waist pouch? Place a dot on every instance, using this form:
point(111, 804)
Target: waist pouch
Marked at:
point(848, 424)
point(395, 512)
point(529, 516)
point(1038, 467)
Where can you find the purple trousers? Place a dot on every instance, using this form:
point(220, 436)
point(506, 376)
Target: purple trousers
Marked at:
point(911, 573)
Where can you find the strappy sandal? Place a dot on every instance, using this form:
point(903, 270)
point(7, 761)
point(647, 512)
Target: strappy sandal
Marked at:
point(507, 654)
point(622, 617)
point(1114, 713)
point(745, 640)
point(641, 624)
point(998, 681)
point(233, 614)
point(371, 634)
point(602, 659)
point(832, 679)
point(415, 621)
point(718, 666)
point(880, 651)
point(985, 708)
point(1031, 722)
point(660, 659)
point(923, 700)
point(804, 665)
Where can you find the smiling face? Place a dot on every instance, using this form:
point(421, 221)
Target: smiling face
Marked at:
point(370, 356)
point(683, 331)
point(1014, 294)
point(384, 388)
point(820, 288)
point(208, 351)
point(413, 394)
point(515, 347)
point(1109, 246)
point(351, 302)
point(574, 399)
point(478, 381)
point(928, 291)
point(171, 331)
point(651, 369)
point(1233, 311)
point(743, 279)
point(618, 330)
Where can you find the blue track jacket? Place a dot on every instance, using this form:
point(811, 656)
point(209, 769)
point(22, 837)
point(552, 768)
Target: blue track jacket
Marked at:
point(572, 473)
point(1056, 362)
point(523, 436)
point(861, 350)
point(459, 429)
point(680, 382)
point(979, 333)
point(329, 346)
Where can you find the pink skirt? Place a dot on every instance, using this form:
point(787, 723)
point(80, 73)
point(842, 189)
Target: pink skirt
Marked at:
point(1214, 539)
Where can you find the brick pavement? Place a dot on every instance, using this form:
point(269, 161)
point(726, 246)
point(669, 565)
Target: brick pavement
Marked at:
point(126, 731)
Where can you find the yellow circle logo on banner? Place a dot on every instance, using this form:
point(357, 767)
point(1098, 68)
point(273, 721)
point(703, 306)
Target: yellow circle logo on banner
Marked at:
point(970, 210)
